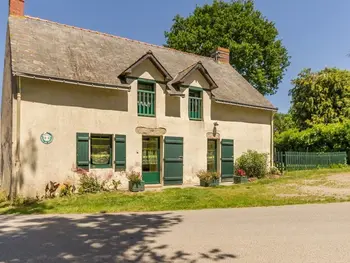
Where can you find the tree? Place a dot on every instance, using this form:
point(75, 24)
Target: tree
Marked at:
point(320, 97)
point(283, 122)
point(255, 50)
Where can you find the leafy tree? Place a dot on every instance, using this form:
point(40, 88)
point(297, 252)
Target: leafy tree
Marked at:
point(255, 50)
point(320, 97)
point(283, 122)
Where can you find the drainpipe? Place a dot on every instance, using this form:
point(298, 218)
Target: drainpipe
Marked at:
point(271, 140)
point(18, 135)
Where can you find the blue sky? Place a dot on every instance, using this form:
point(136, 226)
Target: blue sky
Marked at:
point(315, 32)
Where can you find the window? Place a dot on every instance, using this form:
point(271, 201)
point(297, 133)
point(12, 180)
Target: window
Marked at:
point(195, 104)
point(145, 99)
point(101, 151)
point(212, 155)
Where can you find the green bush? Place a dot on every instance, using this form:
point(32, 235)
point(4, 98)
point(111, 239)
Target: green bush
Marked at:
point(89, 183)
point(3, 197)
point(253, 163)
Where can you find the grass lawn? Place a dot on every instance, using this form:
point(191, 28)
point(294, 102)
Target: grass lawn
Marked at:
point(286, 190)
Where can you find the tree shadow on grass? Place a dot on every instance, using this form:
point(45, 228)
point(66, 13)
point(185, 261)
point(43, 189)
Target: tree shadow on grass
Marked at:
point(95, 238)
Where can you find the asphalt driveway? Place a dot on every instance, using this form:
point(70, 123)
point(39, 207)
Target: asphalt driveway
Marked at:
point(306, 233)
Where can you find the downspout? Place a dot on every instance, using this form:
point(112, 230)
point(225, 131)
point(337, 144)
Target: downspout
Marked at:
point(271, 140)
point(18, 134)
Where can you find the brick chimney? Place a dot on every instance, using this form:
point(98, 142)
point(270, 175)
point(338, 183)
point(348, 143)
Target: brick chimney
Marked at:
point(16, 7)
point(221, 55)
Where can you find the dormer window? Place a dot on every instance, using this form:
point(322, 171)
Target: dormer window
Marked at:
point(195, 105)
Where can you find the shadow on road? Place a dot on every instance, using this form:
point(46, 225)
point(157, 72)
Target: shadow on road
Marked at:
point(95, 238)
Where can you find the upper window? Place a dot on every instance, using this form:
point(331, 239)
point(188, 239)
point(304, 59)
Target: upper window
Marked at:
point(101, 151)
point(195, 104)
point(146, 99)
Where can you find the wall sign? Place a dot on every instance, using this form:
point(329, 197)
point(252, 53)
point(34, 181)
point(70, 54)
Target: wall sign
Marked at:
point(46, 138)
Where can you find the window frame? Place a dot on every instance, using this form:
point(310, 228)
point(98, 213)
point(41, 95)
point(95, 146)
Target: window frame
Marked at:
point(98, 166)
point(199, 98)
point(150, 84)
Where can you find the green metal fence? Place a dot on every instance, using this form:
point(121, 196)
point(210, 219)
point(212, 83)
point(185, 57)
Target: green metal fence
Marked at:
point(308, 160)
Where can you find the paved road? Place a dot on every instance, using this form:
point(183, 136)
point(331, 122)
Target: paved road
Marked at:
point(307, 233)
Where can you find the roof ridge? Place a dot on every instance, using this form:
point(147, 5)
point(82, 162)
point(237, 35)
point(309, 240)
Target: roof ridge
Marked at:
point(114, 36)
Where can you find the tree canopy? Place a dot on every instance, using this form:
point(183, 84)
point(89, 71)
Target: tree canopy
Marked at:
point(255, 50)
point(320, 97)
point(282, 122)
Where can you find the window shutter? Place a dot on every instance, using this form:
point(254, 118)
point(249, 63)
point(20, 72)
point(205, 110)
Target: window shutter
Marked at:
point(120, 152)
point(83, 151)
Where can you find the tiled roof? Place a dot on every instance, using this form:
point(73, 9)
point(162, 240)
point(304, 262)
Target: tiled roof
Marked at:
point(48, 49)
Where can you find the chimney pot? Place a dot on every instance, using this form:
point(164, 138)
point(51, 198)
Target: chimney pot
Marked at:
point(16, 7)
point(221, 55)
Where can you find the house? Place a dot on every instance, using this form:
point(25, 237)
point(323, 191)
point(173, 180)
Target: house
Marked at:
point(73, 97)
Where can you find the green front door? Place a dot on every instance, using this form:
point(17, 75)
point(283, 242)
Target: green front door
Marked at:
point(173, 160)
point(212, 156)
point(227, 160)
point(150, 160)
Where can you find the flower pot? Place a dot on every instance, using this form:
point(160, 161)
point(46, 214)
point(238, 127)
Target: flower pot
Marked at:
point(213, 182)
point(136, 187)
point(240, 179)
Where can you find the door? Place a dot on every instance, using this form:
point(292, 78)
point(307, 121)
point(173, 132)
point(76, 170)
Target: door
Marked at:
point(227, 160)
point(173, 160)
point(212, 156)
point(150, 160)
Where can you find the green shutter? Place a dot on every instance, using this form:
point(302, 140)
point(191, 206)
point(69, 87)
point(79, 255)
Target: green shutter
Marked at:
point(120, 152)
point(173, 160)
point(227, 160)
point(83, 151)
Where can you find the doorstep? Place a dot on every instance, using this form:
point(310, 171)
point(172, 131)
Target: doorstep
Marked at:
point(150, 187)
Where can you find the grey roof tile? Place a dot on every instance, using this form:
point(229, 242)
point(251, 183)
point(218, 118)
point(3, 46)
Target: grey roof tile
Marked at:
point(50, 49)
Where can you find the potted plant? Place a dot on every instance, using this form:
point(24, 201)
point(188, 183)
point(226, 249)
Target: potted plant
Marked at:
point(135, 182)
point(208, 178)
point(241, 177)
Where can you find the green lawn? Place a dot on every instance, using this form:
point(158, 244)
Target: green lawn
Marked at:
point(265, 192)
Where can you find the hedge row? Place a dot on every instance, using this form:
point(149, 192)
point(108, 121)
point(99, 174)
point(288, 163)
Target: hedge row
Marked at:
point(319, 138)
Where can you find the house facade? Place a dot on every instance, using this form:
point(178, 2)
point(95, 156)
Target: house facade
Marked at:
point(78, 98)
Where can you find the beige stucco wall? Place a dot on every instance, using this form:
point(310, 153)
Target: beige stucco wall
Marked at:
point(7, 181)
point(64, 110)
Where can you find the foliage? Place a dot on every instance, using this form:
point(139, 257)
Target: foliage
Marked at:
point(67, 189)
point(241, 172)
point(3, 197)
point(134, 177)
point(320, 97)
point(255, 50)
point(283, 122)
point(274, 171)
point(253, 163)
point(50, 189)
point(89, 183)
point(207, 177)
point(116, 184)
point(318, 138)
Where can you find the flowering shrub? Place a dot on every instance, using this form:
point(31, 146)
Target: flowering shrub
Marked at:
point(254, 164)
point(241, 172)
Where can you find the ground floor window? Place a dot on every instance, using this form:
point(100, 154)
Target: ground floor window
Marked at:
point(101, 151)
point(212, 156)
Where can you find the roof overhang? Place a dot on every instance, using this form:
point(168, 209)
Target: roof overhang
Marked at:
point(246, 105)
point(124, 87)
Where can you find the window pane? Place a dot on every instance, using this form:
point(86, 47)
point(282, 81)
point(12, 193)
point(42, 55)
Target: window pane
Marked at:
point(150, 152)
point(211, 156)
point(101, 148)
